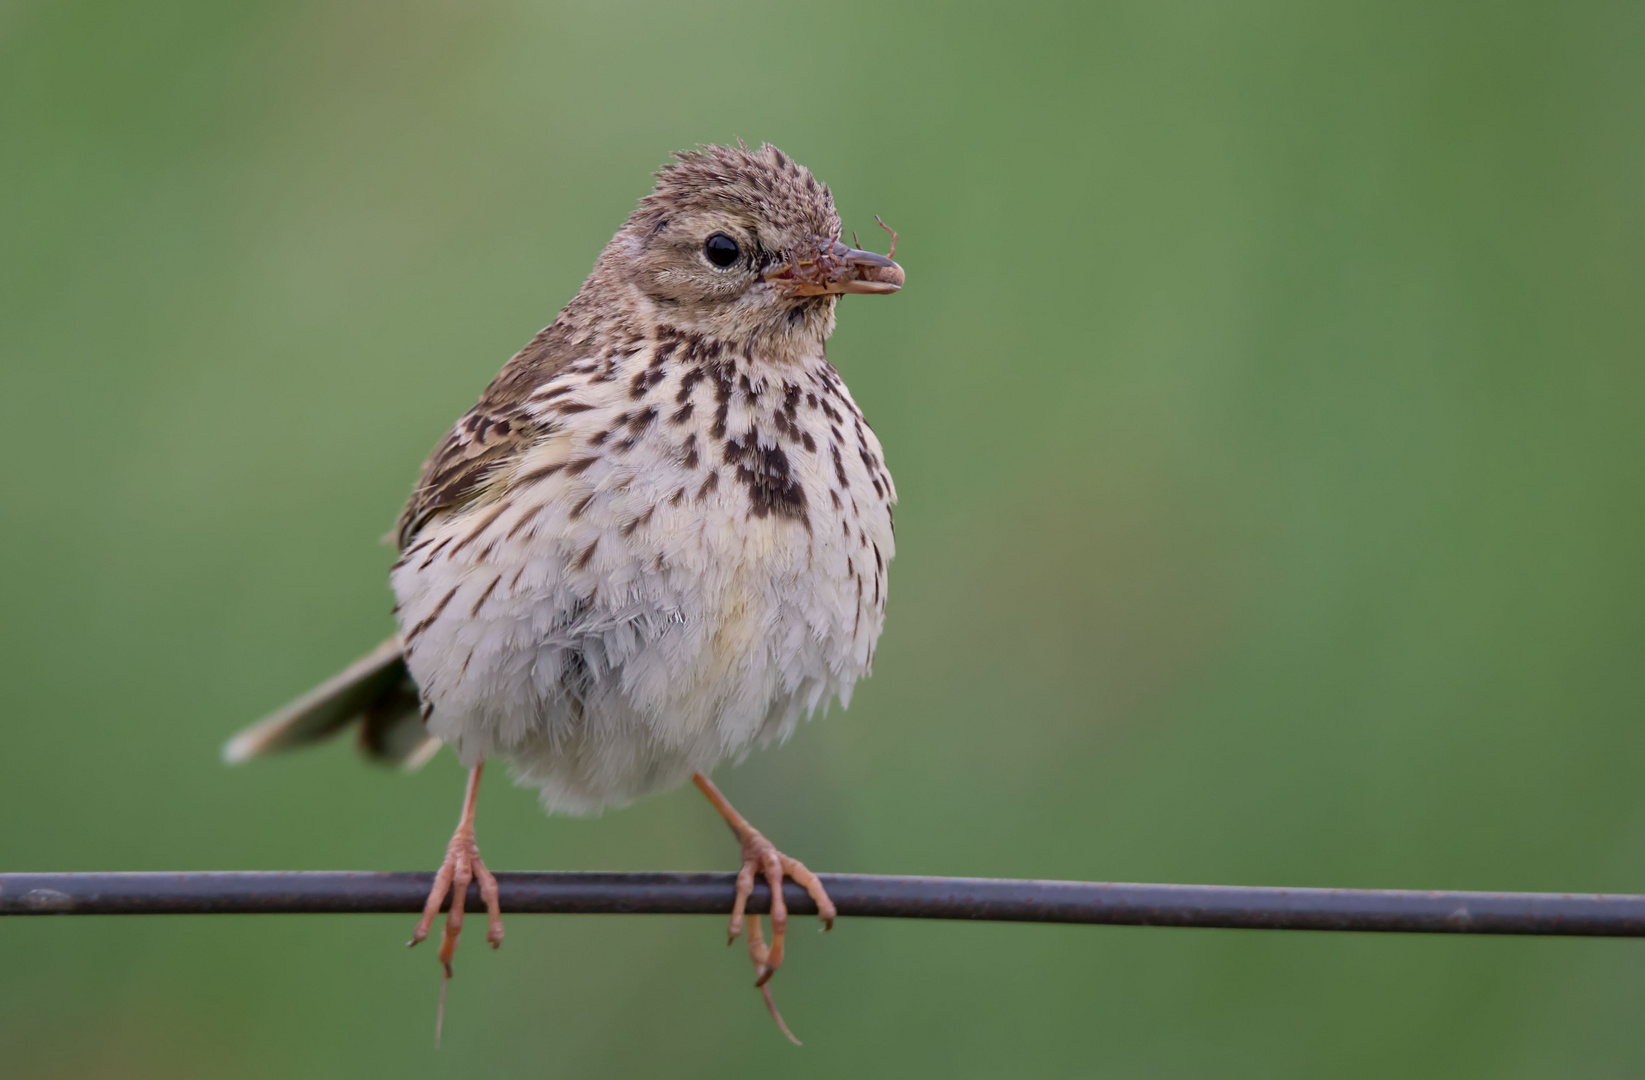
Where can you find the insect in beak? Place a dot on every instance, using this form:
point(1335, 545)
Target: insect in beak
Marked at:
point(831, 267)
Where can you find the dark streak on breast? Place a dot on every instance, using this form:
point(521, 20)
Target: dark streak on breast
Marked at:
point(525, 519)
point(542, 472)
point(475, 610)
point(485, 523)
point(435, 614)
point(434, 552)
point(765, 472)
point(628, 530)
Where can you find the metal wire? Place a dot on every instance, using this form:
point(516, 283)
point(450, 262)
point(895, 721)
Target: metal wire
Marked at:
point(1246, 907)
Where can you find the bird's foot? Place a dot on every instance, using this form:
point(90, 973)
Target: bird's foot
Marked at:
point(462, 864)
point(762, 859)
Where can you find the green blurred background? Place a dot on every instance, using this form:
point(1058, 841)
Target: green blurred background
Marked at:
point(1268, 410)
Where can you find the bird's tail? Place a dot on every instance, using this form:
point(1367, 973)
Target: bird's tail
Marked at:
point(376, 690)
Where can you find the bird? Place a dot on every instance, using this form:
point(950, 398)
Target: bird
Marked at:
point(660, 538)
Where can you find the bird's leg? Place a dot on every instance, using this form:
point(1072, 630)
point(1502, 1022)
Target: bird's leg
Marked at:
point(462, 864)
point(761, 858)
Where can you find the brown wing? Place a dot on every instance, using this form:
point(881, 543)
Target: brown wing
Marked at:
point(476, 452)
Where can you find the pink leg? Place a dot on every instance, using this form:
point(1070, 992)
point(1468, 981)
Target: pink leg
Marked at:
point(761, 858)
point(462, 864)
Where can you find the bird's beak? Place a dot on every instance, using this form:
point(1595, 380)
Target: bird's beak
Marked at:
point(835, 268)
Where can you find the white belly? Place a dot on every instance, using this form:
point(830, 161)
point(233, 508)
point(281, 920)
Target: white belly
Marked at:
point(611, 631)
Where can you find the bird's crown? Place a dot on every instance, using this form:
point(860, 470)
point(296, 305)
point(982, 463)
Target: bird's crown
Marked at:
point(764, 184)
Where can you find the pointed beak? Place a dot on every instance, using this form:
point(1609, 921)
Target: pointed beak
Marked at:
point(836, 268)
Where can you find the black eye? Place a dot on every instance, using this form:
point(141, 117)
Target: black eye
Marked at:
point(721, 249)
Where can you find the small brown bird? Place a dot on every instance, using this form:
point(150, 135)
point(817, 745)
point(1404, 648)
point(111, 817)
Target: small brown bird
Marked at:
point(659, 539)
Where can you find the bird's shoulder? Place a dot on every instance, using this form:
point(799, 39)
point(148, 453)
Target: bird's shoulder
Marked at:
point(467, 466)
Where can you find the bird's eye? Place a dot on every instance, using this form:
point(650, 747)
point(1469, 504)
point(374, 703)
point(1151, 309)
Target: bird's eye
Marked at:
point(721, 250)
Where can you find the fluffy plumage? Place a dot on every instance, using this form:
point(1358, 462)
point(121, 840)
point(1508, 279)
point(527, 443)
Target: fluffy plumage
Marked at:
point(659, 539)
point(661, 536)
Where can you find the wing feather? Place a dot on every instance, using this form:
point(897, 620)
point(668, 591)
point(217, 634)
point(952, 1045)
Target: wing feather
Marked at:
point(468, 465)
point(467, 468)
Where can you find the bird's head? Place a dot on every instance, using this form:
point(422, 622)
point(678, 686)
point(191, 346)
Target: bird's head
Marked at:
point(743, 245)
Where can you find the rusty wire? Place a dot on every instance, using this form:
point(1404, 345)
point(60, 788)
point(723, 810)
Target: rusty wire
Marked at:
point(860, 895)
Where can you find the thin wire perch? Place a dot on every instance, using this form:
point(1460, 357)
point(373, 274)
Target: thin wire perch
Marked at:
point(858, 895)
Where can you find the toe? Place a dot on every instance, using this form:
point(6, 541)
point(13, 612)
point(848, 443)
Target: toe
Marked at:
point(758, 953)
point(463, 874)
point(436, 897)
point(745, 887)
point(779, 913)
point(808, 881)
point(494, 907)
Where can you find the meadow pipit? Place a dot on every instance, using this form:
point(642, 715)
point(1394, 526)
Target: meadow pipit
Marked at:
point(659, 539)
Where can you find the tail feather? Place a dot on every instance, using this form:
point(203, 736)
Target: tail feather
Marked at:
point(376, 690)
